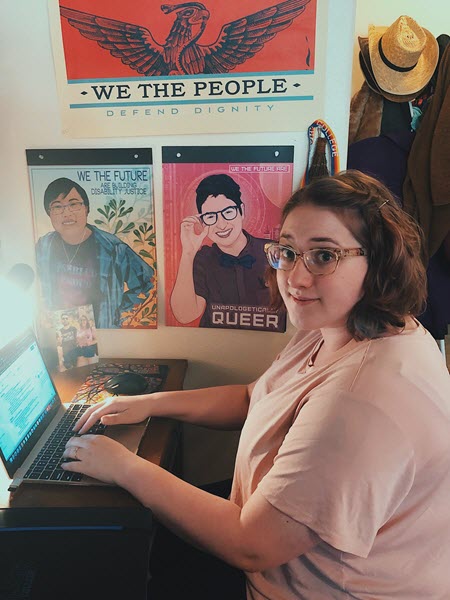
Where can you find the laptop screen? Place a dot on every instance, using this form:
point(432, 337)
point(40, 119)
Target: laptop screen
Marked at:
point(27, 397)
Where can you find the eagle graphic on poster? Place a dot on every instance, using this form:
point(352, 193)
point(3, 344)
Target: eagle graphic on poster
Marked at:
point(136, 47)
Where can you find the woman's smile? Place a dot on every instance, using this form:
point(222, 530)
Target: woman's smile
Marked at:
point(304, 301)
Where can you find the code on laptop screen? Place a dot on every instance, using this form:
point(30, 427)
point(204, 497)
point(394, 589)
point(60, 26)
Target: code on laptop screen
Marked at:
point(26, 393)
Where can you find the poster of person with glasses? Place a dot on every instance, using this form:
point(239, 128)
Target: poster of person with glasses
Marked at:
point(222, 206)
point(95, 239)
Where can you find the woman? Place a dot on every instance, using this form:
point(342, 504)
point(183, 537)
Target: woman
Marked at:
point(87, 343)
point(343, 468)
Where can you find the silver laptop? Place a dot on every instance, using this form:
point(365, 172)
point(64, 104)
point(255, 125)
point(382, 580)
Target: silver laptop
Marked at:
point(35, 425)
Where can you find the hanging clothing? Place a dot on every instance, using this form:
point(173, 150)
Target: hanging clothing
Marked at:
point(366, 110)
point(436, 317)
point(384, 157)
point(371, 115)
point(426, 190)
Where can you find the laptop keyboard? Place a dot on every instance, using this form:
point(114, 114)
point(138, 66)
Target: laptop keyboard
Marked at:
point(47, 464)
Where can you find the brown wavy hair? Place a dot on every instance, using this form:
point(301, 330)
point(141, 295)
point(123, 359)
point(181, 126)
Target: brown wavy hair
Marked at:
point(395, 284)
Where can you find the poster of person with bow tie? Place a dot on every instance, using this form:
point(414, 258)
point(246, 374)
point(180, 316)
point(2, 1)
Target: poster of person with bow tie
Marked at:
point(222, 205)
point(149, 67)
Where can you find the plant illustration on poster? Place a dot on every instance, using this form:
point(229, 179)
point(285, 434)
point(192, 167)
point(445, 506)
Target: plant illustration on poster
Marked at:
point(95, 233)
point(144, 67)
point(221, 206)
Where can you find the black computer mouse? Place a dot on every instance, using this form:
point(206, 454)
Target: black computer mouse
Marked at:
point(126, 384)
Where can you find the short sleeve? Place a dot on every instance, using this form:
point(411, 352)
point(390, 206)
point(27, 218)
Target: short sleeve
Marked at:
point(199, 274)
point(342, 470)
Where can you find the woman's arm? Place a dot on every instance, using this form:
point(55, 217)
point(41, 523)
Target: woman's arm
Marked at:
point(253, 538)
point(223, 407)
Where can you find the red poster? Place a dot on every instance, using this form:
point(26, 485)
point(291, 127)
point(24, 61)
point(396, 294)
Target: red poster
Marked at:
point(244, 36)
point(222, 205)
point(189, 67)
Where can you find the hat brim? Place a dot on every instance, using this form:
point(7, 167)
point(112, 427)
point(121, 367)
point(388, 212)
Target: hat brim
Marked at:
point(402, 83)
point(366, 68)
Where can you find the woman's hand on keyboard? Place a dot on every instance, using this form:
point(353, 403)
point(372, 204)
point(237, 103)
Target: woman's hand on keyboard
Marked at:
point(98, 456)
point(117, 410)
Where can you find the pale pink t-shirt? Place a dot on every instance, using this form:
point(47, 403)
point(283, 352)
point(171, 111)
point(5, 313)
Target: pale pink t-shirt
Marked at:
point(359, 451)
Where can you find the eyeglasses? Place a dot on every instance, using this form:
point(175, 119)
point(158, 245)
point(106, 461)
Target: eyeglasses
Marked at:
point(58, 209)
point(319, 261)
point(229, 213)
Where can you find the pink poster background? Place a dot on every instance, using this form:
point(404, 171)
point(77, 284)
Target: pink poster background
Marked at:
point(265, 187)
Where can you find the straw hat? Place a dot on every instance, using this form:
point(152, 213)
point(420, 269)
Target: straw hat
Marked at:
point(366, 68)
point(403, 56)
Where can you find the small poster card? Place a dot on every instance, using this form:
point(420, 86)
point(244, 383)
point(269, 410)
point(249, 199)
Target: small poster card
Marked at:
point(75, 337)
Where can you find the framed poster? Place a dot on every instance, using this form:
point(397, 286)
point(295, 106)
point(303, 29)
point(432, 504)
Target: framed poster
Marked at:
point(222, 205)
point(95, 233)
point(146, 67)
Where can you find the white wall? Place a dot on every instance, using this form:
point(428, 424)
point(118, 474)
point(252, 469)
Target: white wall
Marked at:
point(30, 119)
point(434, 15)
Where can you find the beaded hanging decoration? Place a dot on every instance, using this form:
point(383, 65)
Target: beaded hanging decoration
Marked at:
point(321, 129)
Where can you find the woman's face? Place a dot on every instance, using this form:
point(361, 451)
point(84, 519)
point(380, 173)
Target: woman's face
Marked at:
point(312, 301)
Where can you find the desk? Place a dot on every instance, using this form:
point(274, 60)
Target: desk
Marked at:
point(102, 532)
